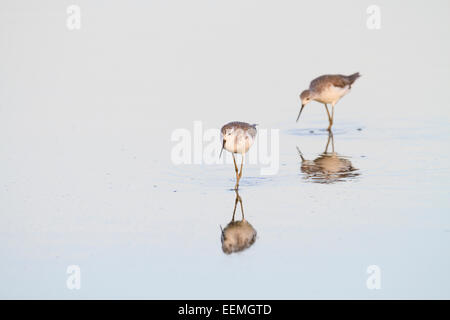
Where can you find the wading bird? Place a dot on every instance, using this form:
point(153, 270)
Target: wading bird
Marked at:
point(238, 137)
point(328, 89)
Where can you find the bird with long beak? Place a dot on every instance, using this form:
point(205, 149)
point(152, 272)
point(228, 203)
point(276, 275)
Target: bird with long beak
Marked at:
point(328, 89)
point(238, 137)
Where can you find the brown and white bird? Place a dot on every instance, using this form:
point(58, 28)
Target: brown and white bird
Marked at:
point(328, 89)
point(238, 137)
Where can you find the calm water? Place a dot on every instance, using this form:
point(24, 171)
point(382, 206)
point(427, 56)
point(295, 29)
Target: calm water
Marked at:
point(87, 179)
point(318, 227)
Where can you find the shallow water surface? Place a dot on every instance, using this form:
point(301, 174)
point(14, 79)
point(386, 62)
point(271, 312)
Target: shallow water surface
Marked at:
point(318, 224)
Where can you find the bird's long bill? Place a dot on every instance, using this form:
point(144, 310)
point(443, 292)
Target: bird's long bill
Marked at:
point(300, 112)
point(223, 146)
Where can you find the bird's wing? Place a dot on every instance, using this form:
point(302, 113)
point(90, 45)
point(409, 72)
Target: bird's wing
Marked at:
point(339, 81)
point(324, 81)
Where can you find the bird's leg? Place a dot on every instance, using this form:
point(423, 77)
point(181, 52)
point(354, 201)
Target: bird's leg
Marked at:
point(242, 163)
point(237, 175)
point(332, 141)
point(236, 187)
point(329, 117)
point(328, 112)
point(235, 165)
point(332, 114)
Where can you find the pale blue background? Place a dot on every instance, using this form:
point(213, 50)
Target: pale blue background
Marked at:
point(86, 178)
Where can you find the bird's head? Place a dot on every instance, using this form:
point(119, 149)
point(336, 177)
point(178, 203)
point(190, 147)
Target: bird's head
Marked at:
point(305, 97)
point(226, 134)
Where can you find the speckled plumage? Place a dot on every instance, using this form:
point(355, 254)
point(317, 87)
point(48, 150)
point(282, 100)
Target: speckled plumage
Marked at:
point(338, 80)
point(251, 128)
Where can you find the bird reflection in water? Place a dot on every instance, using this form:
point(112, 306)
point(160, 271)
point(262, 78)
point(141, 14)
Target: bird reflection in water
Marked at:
point(329, 167)
point(239, 235)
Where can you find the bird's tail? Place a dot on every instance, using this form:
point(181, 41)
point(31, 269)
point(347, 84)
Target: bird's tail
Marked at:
point(353, 77)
